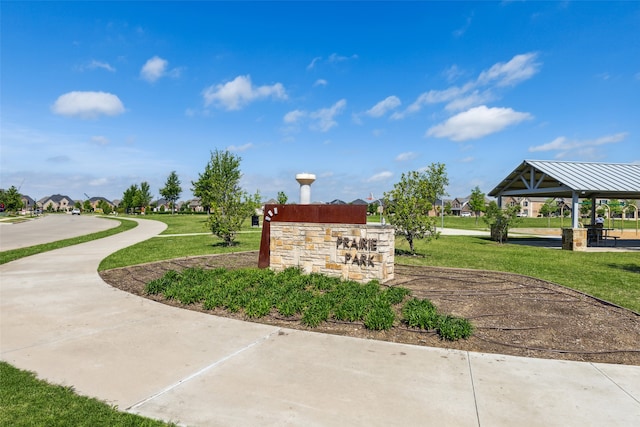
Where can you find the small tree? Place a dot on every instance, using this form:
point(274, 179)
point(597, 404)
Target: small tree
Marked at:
point(219, 188)
point(476, 202)
point(11, 199)
point(282, 198)
point(142, 197)
point(171, 190)
point(547, 209)
point(86, 206)
point(500, 220)
point(411, 200)
point(128, 198)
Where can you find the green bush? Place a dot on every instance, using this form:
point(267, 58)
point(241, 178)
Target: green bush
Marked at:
point(453, 328)
point(420, 313)
point(380, 316)
point(315, 298)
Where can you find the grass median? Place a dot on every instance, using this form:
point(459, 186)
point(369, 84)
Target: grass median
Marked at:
point(14, 254)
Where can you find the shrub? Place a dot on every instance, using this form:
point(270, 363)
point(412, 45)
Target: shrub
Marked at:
point(453, 328)
point(396, 294)
point(420, 313)
point(380, 316)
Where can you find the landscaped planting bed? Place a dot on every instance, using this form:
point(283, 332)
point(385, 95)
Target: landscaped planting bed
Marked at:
point(311, 299)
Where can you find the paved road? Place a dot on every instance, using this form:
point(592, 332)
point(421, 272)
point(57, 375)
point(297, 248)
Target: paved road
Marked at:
point(59, 319)
point(49, 228)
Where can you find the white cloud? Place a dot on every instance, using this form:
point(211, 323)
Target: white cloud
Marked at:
point(239, 148)
point(382, 107)
point(449, 95)
point(583, 149)
point(313, 62)
point(477, 123)
point(332, 59)
point(239, 92)
point(460, 31)
point(294, 116)
point(480, 91)
point(88, 105)
point(320, 82)
point(321, 120)
point(325, 117)
point(468, 101)
point(154, 68)
point(519, 68)
point(100, 140)
point(99, 64)
point(403, 157)
point(452, 73)
point(98, 182)
point(380, 176)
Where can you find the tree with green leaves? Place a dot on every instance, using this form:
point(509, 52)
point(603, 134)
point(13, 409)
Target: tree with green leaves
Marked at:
point(218, 188)
point(282, 198)
point(412, 198)
point(477, 202)
point(171, 190)
point(549, 207)
point(142, 198)
point(12, 199)
point(127, 198)
point(86, 206)
point(500, 220)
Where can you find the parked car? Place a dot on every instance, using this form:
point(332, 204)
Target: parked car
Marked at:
point(76, 211)
point(465, 214)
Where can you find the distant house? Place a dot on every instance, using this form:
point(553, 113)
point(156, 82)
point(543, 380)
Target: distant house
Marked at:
point(359, 202)
point(460, 205)
point(529, 206)
point(337, 202)
point(57, 202)
point(195, 205)
point(28, 204)
point(160, 204)
point(94, 201)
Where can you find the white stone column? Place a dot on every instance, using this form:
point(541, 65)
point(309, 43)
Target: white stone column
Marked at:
point(305, 180)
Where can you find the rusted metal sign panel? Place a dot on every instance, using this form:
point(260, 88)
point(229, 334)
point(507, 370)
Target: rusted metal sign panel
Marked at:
point(321, 214)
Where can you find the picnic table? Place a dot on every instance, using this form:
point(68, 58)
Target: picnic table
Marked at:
point(599, 235)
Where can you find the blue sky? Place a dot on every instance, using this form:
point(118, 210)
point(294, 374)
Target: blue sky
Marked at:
point(98, 96)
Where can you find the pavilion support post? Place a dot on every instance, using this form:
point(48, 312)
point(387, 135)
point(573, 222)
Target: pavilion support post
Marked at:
point(574, 238)
point(575, 209)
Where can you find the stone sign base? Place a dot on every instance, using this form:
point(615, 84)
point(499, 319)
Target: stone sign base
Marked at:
point(574, 239)
point(359, 252)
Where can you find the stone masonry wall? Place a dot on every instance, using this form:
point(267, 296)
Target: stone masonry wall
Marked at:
point(360, 252)
point(574, 239)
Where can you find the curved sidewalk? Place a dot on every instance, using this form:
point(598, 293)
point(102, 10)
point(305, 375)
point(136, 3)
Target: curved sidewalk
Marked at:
point(59, 319)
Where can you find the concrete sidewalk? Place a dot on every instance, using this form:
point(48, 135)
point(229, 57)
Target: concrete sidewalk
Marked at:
point(59, 319)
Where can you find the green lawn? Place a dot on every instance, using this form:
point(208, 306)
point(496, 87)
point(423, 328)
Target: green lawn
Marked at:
point(163, 248)
point(181, 223)
point(28, 401)
point(612, 276)
point(11, 255)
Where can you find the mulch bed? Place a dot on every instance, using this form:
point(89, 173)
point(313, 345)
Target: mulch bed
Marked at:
point(512, 314)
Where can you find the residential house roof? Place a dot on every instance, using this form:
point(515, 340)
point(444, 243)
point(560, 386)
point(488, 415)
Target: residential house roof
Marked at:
point(359, 202)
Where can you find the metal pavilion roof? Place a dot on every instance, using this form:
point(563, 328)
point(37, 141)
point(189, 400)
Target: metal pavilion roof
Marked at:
point(563, 179)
